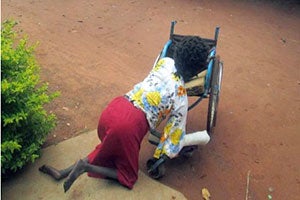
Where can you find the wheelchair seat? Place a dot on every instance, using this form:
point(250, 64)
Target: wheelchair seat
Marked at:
point(195, 87)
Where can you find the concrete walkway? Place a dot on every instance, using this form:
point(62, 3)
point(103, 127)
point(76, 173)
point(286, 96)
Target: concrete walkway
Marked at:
point(32, 184)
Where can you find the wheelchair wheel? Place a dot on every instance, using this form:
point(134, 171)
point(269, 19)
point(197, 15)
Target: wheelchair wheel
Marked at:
point(188, 151)
point(158, 172)
point(215, 88)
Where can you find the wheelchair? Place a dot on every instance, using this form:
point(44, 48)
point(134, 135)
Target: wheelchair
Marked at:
point(206, 85)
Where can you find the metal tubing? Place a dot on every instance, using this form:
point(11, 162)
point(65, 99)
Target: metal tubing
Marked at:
point(172, 28)
point(217, 34)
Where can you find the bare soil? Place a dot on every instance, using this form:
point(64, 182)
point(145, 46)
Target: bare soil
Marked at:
point(92, 51)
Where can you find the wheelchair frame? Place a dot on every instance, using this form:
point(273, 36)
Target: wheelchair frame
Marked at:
point(212, 88)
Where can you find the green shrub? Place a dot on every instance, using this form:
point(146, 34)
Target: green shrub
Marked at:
point(24, 121)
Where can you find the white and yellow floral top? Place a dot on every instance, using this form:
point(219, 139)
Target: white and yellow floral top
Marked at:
point(163, 93)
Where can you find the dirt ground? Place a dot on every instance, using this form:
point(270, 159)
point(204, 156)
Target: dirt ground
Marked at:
point(92, 51)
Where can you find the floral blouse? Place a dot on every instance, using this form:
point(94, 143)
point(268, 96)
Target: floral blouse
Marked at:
point(163, 93)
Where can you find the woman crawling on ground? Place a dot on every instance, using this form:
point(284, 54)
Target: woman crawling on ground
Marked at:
point(126, 120)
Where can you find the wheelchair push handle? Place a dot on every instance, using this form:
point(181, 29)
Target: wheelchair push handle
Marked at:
point(217, 34)
point(172, 28)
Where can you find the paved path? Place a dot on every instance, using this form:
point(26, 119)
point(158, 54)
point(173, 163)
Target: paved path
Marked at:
point(32, 184)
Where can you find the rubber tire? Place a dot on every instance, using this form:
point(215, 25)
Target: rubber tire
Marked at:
point(159, 171)
point(215, 88)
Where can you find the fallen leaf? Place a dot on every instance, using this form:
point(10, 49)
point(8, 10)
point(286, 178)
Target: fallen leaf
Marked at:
point(205, 194)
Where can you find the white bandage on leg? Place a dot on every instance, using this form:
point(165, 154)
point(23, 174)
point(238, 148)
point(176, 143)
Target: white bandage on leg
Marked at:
point(196, 138)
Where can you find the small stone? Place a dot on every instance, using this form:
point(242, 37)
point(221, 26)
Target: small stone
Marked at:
point(65, 108)
point(271, 189)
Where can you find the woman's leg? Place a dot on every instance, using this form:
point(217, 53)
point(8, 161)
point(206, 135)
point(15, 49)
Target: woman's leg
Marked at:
point(58, 174)
point(83, 166)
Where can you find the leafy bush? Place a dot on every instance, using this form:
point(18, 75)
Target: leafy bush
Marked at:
point(24, 121)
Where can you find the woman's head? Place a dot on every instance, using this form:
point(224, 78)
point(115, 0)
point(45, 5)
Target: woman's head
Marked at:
point(190, 56)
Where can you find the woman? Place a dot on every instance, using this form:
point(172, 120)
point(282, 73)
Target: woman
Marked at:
point(127, 119)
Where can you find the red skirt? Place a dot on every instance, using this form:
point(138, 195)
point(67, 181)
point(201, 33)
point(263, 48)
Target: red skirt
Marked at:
point(121, 130)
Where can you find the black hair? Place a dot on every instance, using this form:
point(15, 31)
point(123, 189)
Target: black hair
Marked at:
point(190, 56)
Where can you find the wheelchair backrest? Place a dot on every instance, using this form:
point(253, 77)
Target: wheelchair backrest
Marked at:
point(169, 48)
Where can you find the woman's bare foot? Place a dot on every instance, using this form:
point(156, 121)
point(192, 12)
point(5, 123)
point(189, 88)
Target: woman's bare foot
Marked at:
point(54, 173)
point(78, 169)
